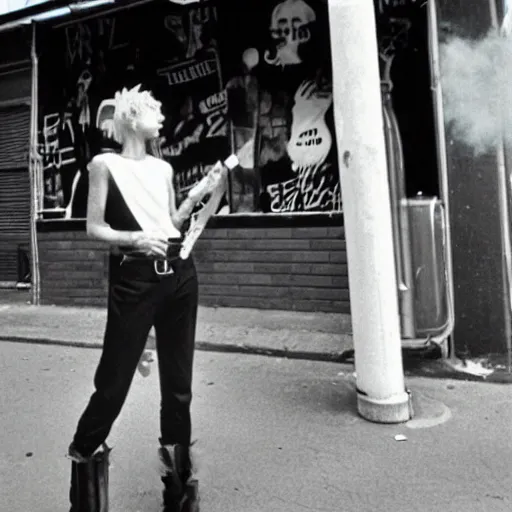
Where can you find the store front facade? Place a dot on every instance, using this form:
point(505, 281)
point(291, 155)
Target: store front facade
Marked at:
point(225, 86)
point(254, 78)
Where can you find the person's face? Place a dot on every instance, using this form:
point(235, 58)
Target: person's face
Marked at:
point(150, 121)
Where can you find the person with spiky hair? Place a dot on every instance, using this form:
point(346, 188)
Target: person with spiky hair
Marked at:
point(131, 205)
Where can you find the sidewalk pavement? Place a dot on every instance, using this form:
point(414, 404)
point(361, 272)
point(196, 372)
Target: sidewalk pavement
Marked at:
point(290, 334)
point(304, 335)
point(273, 435)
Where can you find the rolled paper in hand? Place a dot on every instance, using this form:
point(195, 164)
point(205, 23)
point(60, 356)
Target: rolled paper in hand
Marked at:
point(200, 219)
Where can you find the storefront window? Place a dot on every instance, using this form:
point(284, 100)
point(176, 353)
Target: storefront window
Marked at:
point(252, 77)
point(277, 66)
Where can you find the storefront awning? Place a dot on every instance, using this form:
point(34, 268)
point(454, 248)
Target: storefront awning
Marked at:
point(7, 6)
point(51, 9)
point(14, 13)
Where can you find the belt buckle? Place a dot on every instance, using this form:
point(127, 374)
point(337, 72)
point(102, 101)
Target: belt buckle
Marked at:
point(167, 268)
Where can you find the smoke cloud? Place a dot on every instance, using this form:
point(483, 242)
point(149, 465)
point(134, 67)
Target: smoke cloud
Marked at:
point(476, 78)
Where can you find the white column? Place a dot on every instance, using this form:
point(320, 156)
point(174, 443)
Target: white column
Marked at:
point(382, 396)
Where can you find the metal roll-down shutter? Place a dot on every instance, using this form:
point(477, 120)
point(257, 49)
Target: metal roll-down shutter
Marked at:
point(14, 189)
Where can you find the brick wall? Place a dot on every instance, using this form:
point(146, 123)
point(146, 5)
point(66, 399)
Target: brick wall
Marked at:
point(73, 269)
point(292, 268)
point(302, 269)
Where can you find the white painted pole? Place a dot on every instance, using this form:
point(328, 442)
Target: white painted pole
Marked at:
point(381, 394)
point(35, 171)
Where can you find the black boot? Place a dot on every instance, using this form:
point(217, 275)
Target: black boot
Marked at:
point(89, 481)
point(181, 489)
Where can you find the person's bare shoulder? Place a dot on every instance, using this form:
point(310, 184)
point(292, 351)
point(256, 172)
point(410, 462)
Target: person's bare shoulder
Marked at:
point(166, 167)
point(163, 163)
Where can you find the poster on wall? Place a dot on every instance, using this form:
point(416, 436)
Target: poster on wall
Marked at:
point(170, 50)
point(277, 68)
point(196, 134)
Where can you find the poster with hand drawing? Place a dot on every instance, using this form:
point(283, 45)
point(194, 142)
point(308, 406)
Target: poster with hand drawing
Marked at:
point(287, 89)
point(308, 148)
point(310, 139)
point(170, 50)
point(247, 77)
point(196, 136)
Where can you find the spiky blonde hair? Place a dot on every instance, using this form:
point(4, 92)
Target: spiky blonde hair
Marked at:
point(129, 107)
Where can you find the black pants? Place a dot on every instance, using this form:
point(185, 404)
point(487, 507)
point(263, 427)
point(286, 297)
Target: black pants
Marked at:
point(138, 300)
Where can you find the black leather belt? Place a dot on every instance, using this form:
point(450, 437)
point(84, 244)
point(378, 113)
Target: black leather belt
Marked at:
point(162, 266)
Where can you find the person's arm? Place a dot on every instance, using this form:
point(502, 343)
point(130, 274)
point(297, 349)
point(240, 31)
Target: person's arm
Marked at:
point(180, 215)
point(98, 229)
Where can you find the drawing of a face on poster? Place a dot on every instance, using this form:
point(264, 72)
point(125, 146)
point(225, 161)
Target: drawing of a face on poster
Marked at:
point(289, 27)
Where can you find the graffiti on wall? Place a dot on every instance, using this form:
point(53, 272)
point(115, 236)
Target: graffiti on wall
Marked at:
point(309, 145)
point(280, 115)
point(56, 147)
point(189, 29)
point(262, 92)
point(200, 126)
point(171, 51)
point(310, 191)
point(58, 139)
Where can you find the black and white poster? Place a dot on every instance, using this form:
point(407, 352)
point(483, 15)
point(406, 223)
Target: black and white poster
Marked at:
point(250, 77)
point(169, 49)
point(277, 66)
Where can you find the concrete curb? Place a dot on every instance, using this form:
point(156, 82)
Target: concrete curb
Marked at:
point(48, 341)
point(437, 369)
point(204, 346)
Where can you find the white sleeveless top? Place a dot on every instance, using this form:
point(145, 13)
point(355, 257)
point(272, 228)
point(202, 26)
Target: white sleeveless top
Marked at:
point(144, 185)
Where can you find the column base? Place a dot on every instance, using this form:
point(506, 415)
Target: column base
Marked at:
point(397, 409)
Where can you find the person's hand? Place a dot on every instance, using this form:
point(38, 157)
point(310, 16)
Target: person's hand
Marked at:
point(152, 244)
point(208, 184)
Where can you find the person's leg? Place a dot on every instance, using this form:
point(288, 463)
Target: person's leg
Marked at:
point(130, 315)
point(89, 483)
point(129, 321)
point(175, 327)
